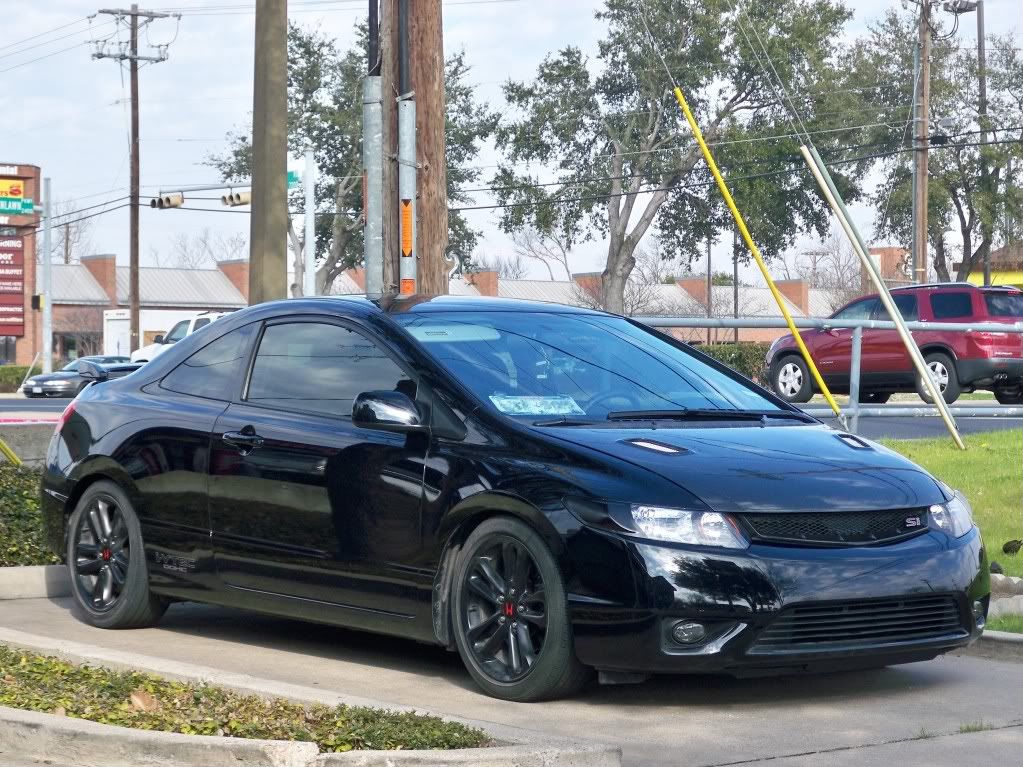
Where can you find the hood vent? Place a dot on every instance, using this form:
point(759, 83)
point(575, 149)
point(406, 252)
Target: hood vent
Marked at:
point(853, 441)
point(655, 446)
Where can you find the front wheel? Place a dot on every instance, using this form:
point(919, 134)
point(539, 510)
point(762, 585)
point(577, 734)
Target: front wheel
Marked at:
point(943, 372)
point(510, 615)
point(790, 379)
point(106, 561)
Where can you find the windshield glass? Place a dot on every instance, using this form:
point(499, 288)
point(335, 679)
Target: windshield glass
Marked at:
point(71, 367)
point(1004, 304)
point(573, 365)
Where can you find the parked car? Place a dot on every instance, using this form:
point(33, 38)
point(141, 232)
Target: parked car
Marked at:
point(181, 329)
point(65, 382)
point(960, 362)
point(546, 489)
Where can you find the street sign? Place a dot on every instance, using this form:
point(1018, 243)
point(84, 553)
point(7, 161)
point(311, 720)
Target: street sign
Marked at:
point(293, 178)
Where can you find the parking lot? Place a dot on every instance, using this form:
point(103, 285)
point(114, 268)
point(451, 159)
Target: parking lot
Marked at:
point(918, 710)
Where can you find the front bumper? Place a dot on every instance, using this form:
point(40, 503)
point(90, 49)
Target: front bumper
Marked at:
point(740, 596)
point(48, 389)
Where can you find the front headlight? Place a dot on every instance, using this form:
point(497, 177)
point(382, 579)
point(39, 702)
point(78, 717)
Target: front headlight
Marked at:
point(700, 528)
point(954, 517)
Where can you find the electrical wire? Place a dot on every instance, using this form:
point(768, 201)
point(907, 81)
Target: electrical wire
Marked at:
point(47, 32)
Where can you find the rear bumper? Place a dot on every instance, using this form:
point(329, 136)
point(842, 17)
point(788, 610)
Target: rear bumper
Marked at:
point(739, 597)
point(990, 371)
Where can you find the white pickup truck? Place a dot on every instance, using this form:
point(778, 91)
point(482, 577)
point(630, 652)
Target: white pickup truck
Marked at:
point(180, 330)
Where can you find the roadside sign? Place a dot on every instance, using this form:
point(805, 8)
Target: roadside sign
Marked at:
point(406, 228)
point(12, 197)
point(293, 178)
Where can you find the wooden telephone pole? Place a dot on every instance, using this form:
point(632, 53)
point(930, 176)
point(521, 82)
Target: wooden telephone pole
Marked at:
point(426, 52)
point(921, 143)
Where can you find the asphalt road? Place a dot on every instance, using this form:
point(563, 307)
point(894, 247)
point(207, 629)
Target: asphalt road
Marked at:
point(908, 715)
point(872, 428)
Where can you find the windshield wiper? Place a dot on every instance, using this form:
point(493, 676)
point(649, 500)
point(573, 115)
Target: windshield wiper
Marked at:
point(706, 414)
point(564, 421)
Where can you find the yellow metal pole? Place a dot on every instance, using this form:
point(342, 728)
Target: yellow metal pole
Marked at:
point(723, 187)
point(10, 454)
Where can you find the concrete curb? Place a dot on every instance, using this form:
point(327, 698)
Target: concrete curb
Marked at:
point(997, 645)
point(515, 747)
point(34, 582)
point(28, 439)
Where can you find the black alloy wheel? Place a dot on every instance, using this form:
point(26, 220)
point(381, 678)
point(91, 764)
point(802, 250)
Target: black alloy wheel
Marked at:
point(510, 614)
point(106, 561)
point(102, 553)
point(505, 609)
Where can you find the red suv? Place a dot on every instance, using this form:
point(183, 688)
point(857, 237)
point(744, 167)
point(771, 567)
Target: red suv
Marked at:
point(959, 361)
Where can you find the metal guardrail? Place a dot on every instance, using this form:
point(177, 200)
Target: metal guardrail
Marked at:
point(854, 410)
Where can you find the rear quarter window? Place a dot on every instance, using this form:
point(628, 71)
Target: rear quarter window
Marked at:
point(951, 306)
point(1004, 304)
point(215, 371)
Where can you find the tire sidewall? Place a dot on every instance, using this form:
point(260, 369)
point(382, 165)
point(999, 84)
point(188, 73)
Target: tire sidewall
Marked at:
point(136, 582)
point(805, 392)
point(952, 389)
point(543, 679)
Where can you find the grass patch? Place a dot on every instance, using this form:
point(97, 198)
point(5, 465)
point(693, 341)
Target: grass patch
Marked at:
point(22, 541)
point(966, 727)
point(1012, 623)
point(133, 699)
point(990, 475)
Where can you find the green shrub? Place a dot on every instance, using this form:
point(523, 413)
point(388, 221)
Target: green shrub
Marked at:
point(11, 376)
point(22, 541)
point(133, 699)
point(745, 357)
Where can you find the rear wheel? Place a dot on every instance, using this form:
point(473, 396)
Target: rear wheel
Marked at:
point(1009, 396)
point(109, 578)
point(943, 372)
point(790, 379)
point(510, 615)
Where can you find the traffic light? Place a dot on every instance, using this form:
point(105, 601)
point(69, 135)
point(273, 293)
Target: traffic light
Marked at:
point(175, 200)
point(37, 303)
point(231, 199)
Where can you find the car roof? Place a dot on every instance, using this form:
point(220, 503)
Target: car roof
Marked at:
point(961, 285)
point(425, 304)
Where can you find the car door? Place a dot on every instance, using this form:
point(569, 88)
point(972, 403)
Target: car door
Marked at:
point(303, 504)
point(832, 349)
point(888, 362)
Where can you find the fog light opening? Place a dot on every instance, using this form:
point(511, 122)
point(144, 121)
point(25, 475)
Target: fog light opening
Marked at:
point(688, 632)
point(978, 614)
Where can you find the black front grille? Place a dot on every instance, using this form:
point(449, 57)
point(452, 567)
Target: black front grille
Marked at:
point(835, 528)
point(860, 624)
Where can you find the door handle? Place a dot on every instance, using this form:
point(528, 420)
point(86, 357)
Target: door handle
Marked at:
point(245, 441)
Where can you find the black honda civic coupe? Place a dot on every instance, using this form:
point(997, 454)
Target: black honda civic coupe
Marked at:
point(547, 490)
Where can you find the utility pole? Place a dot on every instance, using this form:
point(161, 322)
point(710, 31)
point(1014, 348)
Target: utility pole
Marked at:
point(921, 131)
point(710, 285)
point(408, 269)
point(427, 48)
point(133, 58)
point(47, 277)
point(985, 175)
point(268, 224)
point(389, 135)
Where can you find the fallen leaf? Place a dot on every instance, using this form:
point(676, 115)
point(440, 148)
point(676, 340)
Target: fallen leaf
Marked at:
point(59, 711)
point(143, 701)
point(10, 680)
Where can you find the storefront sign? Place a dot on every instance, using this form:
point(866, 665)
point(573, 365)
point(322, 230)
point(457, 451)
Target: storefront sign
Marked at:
point(12, 197)
point(12, 286)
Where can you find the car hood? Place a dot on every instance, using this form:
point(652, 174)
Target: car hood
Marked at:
point(60, 375)
point(773, 468)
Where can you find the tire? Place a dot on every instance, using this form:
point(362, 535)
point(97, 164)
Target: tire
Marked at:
point(944, 368)
point(494, 622)
point(874, 397)
point(790, 379)
point(1009, 396)
point(106, 562)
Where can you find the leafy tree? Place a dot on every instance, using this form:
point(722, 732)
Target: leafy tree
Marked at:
point(622, 156)
point(959, 198)
point(325, 110)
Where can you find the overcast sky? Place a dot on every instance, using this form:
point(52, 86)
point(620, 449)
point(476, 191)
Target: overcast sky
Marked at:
point(68, 113)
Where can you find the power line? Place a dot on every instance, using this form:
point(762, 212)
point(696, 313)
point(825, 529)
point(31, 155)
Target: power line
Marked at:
point(47, 32)
point(44, 43)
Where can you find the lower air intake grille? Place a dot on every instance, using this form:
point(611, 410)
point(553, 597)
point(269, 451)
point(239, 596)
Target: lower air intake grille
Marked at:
point(836, 528)
point(860, 624)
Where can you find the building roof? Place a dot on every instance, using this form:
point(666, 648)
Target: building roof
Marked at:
point(74, 284)
point(825, 302)
point(201, 288)
point(551, 292)
point(753, 302)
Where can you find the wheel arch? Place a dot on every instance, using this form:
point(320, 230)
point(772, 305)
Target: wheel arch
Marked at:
point(98, 470)
point(939, 347)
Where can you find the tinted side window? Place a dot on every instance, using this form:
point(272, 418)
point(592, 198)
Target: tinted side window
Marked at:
point(177, 332)
point(1004, 304)
point(200, 323)
point(907, 306)
point(946, 306)
point(215, 371)
point(319, 368)
point(861, 310)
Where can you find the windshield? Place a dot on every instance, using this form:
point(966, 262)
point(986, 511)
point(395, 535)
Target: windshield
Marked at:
point(573, 365)
point(71, 367)
point(1004, 304)
point(177, 332)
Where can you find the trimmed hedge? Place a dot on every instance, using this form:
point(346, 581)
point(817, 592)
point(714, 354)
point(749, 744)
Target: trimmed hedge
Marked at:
point(146, 702)
point(746, 357)
point(22, 541)
point(11, 376)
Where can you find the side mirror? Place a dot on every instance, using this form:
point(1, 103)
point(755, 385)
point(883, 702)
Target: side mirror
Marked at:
point(387, 411)
point(158, 339)
point(90, 371)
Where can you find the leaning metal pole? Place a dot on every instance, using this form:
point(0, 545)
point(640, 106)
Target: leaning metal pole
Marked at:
point(831, 194)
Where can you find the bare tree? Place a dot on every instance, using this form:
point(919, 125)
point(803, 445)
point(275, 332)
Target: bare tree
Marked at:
point(548, 249)
point(508, 267)
point(204, 249)
point(73, 234)
point(81, 328)
point(832, 267)
point(645, 292)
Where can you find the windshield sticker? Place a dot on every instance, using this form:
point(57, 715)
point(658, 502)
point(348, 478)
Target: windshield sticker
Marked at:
point(512, 405)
